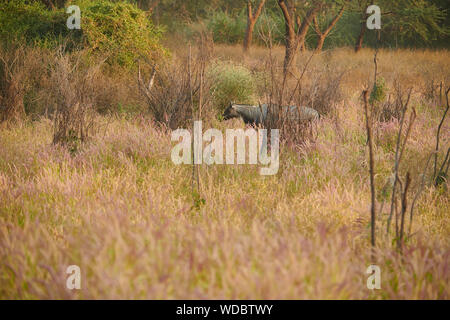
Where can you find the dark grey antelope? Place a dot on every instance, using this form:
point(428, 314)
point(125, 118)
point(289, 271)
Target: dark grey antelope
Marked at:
point(258, 114)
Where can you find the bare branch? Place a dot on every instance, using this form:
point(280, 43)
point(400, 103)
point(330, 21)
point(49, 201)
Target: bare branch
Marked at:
point(404, 207)
point(371, 167)
point(259, 9)
point(438, 134)
point(152, 78)
point(442, 173)
point(316, 26)
point(397, 158)
point(330, 26)
point(412, 118)
point(249, 10)
point(422, 183)
point(286, 15)
point(334, 21)
point(146, 89)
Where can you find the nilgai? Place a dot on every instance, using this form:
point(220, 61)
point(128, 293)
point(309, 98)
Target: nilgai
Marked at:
point(258, 114)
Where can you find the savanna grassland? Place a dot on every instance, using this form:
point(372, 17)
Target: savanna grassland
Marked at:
point(116, 205)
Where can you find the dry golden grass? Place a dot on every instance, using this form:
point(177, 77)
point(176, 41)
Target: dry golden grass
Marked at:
point(123, 212)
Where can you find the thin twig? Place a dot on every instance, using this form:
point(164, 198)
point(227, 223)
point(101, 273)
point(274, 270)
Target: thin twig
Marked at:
point(438, 134)
point(397, 158)
point(371, 167)
point(193, 120)
point(412, 118)
point(442, 172)
point(404, 207)
point(301, 76)
point(422, 183)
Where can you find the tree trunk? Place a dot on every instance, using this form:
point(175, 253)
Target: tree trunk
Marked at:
point(362, 32)
point(290, 55)
point(294, 39)
point(320, 42)
point(360, 39)
point(251, 21)
point(303, 31)
point(302, 40)
point(310, 16)
point(303, 47)
point(249, 35)
point(291, 39)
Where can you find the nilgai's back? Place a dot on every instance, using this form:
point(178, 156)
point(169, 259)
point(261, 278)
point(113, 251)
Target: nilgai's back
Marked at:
point(294, 113)
point(259, 114)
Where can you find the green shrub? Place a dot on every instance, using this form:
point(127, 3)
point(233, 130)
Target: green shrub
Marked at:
point(231, 82)
point(120, 30)
point(378, 93)
point(33, 22)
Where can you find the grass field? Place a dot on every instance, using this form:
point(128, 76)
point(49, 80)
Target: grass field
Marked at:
point(126, 215)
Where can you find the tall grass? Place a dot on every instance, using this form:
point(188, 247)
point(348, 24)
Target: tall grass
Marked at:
point(123, 212)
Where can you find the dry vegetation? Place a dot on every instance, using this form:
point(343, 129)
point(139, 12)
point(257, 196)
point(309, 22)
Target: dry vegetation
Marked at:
point(118, 207)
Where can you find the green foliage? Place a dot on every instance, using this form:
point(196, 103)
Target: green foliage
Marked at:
point(199, 202)
point(269, 24)
point(225, 28)
point(231, 82)
point(379, 90)
point(72, 141)
point(415, 21)
point(119, 30)
point(405, 23)
point(230, 29)
point(31, 21)
point(343, 34)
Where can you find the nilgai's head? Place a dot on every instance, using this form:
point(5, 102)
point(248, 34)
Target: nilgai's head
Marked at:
point(230, 112)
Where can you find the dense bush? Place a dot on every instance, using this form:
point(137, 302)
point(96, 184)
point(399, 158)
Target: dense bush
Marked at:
point(118, 30)
point(73, 94)
point(31, 21)
point(169, 100)
point(231, 82)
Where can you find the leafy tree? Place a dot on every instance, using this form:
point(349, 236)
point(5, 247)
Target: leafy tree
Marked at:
point(416, 18)
point(404, 19)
